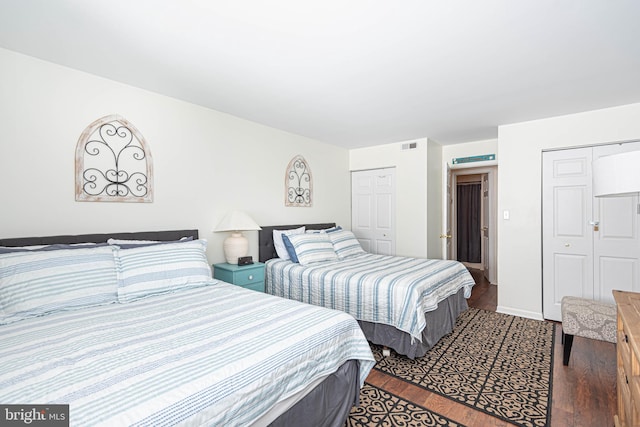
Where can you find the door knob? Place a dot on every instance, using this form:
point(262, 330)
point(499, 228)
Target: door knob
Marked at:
point(445, 236)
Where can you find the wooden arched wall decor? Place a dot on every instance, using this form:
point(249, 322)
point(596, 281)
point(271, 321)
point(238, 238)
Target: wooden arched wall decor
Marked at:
point(113, 163)
point(298, 183)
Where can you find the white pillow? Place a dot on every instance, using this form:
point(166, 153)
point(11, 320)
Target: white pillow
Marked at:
point(112, 241)
point(126, 244)
point(281, 250)
point(345, 243)
point(312, 248)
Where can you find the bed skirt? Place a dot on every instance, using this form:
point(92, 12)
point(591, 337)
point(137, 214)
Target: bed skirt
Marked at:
point(440, 322)
point(328, 404)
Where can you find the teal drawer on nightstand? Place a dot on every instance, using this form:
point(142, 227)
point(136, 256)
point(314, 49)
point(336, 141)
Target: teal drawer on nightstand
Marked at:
point(248, 276)
point(255, 287)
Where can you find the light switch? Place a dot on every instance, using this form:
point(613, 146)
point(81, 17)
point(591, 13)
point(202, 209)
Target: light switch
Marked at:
point(505, 215)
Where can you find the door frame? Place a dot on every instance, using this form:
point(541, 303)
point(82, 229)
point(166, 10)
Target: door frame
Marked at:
point(450, 206)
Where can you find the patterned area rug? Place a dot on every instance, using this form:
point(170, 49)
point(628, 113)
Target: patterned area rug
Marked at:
point(381, 408)
point(496, 363)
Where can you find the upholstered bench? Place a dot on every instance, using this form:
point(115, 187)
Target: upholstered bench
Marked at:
point(586, 318)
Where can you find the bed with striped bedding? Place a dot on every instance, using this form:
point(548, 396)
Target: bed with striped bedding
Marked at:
point(133, 332)
point(377, 289)
point(212, 355)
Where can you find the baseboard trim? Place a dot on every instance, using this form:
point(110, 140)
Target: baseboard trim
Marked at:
point(521, 313)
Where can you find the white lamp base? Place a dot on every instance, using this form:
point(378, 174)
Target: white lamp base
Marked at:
point(235, 246)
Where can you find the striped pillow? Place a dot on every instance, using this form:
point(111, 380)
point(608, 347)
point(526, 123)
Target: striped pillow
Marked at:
point(161, 268)
point(345, 243)
point(312, 248)
point(37, 283)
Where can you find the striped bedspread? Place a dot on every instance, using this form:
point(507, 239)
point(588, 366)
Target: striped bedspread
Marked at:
point(396, 291)
point(215, 355)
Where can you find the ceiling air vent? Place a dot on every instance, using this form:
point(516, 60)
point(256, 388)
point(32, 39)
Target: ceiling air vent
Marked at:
point(409, 145)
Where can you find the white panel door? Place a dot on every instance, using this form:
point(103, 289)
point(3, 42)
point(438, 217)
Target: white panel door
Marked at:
point(590, 245)
point(566, 234)
point(362, 212)
point(616, 243)
point(447, 250)
point(373, 210)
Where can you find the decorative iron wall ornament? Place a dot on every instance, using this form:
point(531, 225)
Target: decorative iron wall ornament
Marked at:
point(113, 163)
point(298, 183)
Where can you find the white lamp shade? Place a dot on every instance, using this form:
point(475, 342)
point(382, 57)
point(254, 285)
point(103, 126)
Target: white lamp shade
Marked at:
point(237, 221)
point(617, 174)
point(236, 245)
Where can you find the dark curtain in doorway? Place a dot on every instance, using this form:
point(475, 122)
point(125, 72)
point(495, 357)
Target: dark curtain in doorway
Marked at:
point(468, 222)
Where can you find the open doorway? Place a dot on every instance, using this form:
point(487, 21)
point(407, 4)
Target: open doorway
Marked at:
point(472, 218)
point(469, 220)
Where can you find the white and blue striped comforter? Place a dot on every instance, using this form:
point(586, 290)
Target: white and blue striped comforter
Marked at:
point(215, 355)
point(396, 291)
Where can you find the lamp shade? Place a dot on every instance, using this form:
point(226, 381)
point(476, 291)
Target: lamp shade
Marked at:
point(617, 174)
point(237, 221)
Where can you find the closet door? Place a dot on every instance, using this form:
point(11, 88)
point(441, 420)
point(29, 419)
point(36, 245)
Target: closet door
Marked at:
point(616, 248)
point(590, 245)
point(373, 210)
point(567, 235)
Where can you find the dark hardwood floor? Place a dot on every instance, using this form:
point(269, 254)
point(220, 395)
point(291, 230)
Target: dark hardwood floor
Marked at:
point(584, 393)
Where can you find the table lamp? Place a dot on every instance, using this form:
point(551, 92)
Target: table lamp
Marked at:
point(236, 245)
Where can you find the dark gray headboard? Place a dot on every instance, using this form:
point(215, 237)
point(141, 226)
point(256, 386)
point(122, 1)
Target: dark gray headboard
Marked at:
point(265, 237)
point(99, 238)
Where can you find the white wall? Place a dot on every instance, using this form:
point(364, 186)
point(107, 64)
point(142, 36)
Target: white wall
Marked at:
point(519, 191)
point(206, 163)
point(434, 200)
point(411, 190)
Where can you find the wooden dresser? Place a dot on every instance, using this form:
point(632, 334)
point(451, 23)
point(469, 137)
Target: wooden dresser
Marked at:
point(628, 349)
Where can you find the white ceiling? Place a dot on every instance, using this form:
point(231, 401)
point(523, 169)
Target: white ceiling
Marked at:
point(351, 72)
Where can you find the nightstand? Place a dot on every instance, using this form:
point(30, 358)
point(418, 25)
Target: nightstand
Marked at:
point(248, 276)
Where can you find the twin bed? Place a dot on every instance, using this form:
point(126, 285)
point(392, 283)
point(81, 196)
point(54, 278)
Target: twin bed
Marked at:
point(140, 334)
point(406, 304)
